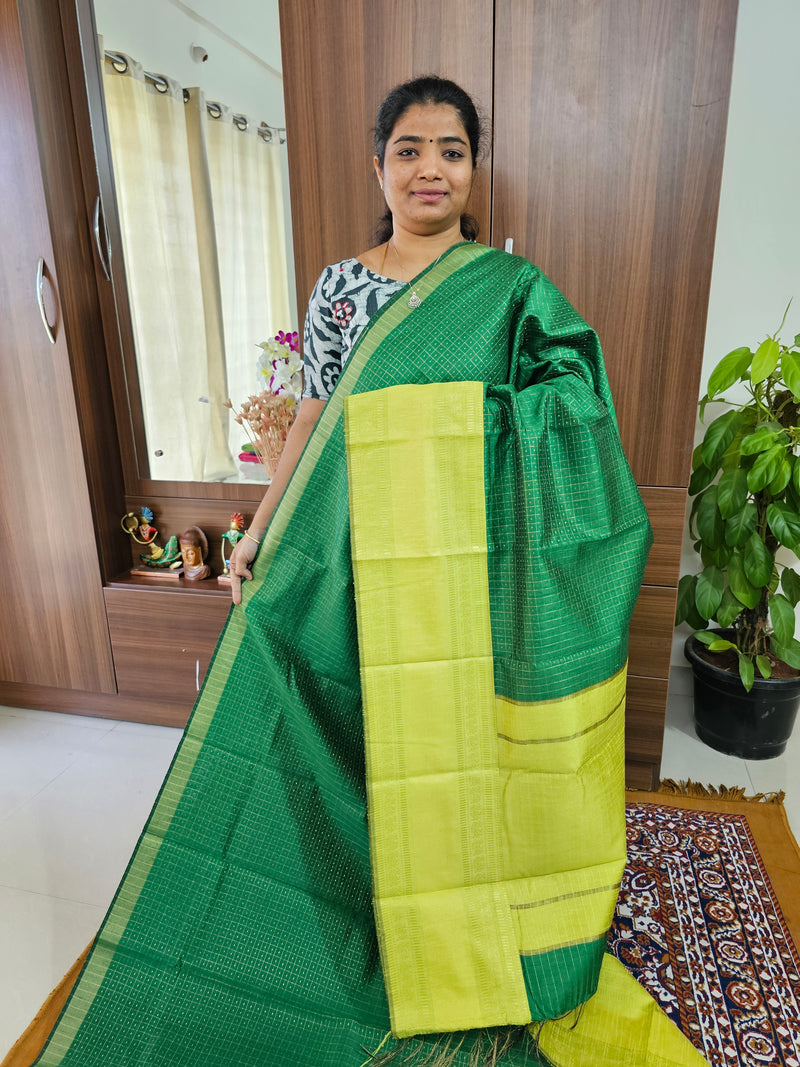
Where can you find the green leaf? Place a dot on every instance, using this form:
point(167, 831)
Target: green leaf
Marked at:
point(790, 583)
point(743, 589)
point(719, 436)
point(784, 523)
point(697, 456)
point(710, 526)
point(781, 615)
point(774, 581)
point(731, 492)
point(797, 340)
point(686, 610)
point(796, 477)
point(701, 478)
point(759, 440)
point(729, 369)
point(765, 468)
point(765, 360)
point(790, 370)
point(782, 478)
point(741, 524)
point(729, 609)
point(764, 666)
point(720, 644)
point(747, 671)
point(708, 595)
point(758, 561)
point(705, 636)
point(792, 497)
point(715, 557)
point(686, 601)
point(789, 653)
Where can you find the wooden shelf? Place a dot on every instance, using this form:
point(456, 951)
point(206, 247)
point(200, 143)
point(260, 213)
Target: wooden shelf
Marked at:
point(156, 584)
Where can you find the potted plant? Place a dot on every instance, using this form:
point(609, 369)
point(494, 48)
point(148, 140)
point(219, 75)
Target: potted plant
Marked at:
point(746, 488)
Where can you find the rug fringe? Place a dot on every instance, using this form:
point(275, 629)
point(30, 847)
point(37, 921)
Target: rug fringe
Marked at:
point(688, 788)
point(489, 1049)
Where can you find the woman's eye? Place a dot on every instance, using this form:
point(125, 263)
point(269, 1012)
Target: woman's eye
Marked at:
point(407, 152)
point(453, 153)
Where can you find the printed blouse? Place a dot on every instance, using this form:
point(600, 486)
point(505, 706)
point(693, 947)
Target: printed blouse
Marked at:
point(344, 299)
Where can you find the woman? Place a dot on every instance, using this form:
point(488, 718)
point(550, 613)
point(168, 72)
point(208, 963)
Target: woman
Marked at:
point(427, 141)
point(446, 587)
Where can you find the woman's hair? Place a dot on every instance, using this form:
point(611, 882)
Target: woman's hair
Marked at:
point(426, 90)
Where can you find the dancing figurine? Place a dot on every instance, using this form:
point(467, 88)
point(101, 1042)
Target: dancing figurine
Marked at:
point(232, 535)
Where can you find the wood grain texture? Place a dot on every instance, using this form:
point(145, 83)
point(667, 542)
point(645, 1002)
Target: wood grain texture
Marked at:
point(88, 116)
point(163, 642)
point(644, 719)
point(610, 120)
point(666, 508)
point(55, 629)
point(148, 707)
point(74, 261)
point(652, 625)
point(641, 776)
point(358, 50)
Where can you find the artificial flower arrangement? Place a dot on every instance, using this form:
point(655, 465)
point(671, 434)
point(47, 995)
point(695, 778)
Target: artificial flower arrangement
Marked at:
point(268, 416)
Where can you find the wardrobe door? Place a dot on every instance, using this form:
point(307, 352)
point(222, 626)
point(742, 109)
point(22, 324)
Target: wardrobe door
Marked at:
point(340, 59)
point(610, 120)
point(54, 630)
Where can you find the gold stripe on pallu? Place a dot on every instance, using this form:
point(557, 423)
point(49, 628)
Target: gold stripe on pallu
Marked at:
point(567, 908)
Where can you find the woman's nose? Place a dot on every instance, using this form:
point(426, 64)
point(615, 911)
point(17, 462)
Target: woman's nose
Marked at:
point(429, 167)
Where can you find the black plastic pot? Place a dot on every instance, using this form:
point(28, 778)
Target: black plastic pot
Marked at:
point(754, 725)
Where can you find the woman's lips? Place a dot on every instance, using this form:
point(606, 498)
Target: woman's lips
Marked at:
point(429, 197)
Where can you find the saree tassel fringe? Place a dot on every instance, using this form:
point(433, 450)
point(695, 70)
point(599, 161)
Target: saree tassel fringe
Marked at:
point(489, 1049)
point(688, 788)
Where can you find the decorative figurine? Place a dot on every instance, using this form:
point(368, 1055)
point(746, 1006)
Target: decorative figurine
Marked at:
point(168, 557)
point(138, 527)
point(141, 530)
point(194, 549)
point(232, 535)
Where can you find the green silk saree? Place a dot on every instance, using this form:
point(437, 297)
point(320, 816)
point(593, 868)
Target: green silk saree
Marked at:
point(285, 908)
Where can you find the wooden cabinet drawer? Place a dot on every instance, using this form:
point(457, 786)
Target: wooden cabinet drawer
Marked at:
point(162, 641)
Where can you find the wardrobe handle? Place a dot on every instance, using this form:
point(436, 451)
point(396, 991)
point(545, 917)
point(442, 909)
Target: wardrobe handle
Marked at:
point(105, 261)
point(40, 301)
point(509, 244)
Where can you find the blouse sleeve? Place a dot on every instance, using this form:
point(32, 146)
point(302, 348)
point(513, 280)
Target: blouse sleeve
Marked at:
point(322, 343)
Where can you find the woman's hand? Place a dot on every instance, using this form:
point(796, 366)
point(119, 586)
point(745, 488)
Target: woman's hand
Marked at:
point(243, 554)
point(245, 551)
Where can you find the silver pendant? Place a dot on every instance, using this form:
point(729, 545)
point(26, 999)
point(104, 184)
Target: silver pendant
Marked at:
point(414, 301)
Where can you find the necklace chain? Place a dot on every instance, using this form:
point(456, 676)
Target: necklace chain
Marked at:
point(414, 301)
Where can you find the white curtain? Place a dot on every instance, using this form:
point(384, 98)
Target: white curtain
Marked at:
point(201, 213)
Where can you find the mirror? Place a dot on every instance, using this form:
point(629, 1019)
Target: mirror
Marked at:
point(193, 95)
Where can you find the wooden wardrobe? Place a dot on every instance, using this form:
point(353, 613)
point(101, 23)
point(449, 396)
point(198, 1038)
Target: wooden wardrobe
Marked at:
point(608, 125)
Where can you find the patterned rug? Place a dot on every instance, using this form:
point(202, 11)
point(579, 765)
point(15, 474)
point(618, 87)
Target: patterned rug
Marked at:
point(698, 923)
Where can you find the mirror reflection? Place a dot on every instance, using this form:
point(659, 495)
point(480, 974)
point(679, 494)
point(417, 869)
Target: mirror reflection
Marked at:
point(195, 114)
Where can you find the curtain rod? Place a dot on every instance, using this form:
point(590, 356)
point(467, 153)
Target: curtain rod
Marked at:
point(241, 122)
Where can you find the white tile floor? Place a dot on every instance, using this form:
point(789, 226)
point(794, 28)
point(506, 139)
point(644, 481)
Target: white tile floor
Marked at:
point(75, 793)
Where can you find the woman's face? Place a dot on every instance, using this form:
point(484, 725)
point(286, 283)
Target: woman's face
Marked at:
point(427, 169)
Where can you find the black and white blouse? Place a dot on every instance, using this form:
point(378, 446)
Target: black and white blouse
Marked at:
point(344, 299)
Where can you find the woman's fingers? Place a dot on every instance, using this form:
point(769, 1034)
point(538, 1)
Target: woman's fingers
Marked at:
point(236, 588)
point(239, 567)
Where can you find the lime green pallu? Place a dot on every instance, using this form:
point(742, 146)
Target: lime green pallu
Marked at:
point(499, 542)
